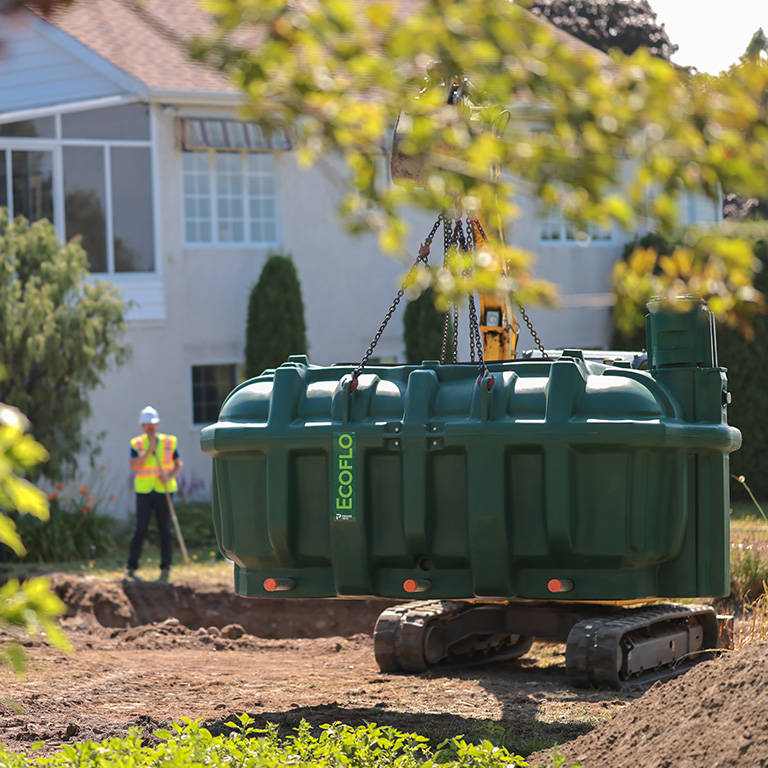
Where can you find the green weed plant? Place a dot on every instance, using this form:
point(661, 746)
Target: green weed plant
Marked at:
point(335, 746)
point(77, 529)
point(749, 558)
point(196, 522)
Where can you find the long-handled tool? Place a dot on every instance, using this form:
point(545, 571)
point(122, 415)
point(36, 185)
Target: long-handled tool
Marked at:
point(177, 527)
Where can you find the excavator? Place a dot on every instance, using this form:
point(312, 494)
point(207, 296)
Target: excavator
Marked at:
point(550, 494)
point(609, 643)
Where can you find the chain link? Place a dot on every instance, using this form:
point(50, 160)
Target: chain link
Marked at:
point(533, 333)
point(423, 257)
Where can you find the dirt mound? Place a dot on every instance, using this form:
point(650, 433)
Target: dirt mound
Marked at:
point(123, 604)
point(715, 715)
point(171, 633)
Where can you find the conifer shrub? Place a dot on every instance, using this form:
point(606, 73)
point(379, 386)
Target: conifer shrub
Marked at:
point(276, 326)
point(423, 329)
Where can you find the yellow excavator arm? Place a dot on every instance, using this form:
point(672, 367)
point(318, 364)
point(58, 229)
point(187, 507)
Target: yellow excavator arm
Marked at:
point(498, 325)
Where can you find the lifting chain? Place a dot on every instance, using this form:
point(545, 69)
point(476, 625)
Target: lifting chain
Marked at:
point(475, 339)
point(423, 258)
point(534, 335)
point(447, 242)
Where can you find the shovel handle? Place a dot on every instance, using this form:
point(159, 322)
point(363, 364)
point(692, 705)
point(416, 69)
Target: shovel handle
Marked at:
point(177, 527)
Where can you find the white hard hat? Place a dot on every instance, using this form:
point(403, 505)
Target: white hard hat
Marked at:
point(148, 415)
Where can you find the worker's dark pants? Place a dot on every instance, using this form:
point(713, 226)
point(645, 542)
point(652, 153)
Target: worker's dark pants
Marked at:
point(146, 504)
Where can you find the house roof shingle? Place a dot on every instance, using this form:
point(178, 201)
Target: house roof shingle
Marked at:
point(146, 40)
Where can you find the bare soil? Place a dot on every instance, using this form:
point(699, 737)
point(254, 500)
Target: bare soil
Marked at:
point(149, 654)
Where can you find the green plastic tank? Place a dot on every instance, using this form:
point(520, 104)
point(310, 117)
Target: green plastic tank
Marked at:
point(581, 476)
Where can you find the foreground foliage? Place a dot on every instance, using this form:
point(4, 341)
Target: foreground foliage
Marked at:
point(367, 746)
point(29, 608)
point(604, 140)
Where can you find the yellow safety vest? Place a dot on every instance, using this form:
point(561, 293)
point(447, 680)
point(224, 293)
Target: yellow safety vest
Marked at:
point(147, 478)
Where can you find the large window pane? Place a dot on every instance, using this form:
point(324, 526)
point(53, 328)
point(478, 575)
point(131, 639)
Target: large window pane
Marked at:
point(229, 197)
point(132, 209)
point(33, 185)
point(42, 128)
point(210, 385)
point(197, 198)
point(129, 121)
point(84, 202)
point(261, 195)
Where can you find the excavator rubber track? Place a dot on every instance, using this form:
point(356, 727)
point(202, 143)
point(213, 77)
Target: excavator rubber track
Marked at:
point(641, 646)
point(607, 646)
point(413, 637)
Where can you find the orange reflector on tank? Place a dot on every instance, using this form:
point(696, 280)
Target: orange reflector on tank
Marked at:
point(559, 585)
point(278, 585)
point(416, 585)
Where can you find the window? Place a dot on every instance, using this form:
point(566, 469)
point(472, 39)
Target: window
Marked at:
point(229, 182)
point(42, 127)
point(32, 184)
point(132, 210)
point(128, 121)
point(85, 202)
point(554, 229)
point(105, 181)
point(210, 386)
point(229, 198)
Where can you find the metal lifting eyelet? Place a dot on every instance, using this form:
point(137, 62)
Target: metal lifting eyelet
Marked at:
point(491, 380)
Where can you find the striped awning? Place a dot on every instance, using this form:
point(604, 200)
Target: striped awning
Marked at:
point(207, 133)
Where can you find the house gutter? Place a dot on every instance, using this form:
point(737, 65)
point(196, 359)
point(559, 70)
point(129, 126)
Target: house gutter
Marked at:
point(197, 98)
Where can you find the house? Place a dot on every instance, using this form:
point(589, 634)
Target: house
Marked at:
point(111, 131)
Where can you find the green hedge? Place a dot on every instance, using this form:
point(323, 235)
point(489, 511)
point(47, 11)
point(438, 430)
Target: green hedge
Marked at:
point(747, 364)
point(196, 524)
point(423, 329)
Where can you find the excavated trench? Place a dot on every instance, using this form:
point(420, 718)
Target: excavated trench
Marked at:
point(124, 604)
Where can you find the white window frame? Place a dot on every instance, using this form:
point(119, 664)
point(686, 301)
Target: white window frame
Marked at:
point(555, 220)
point(56, 146)
point(247, 221)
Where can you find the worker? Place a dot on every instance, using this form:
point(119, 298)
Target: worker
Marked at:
point(156, 464)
